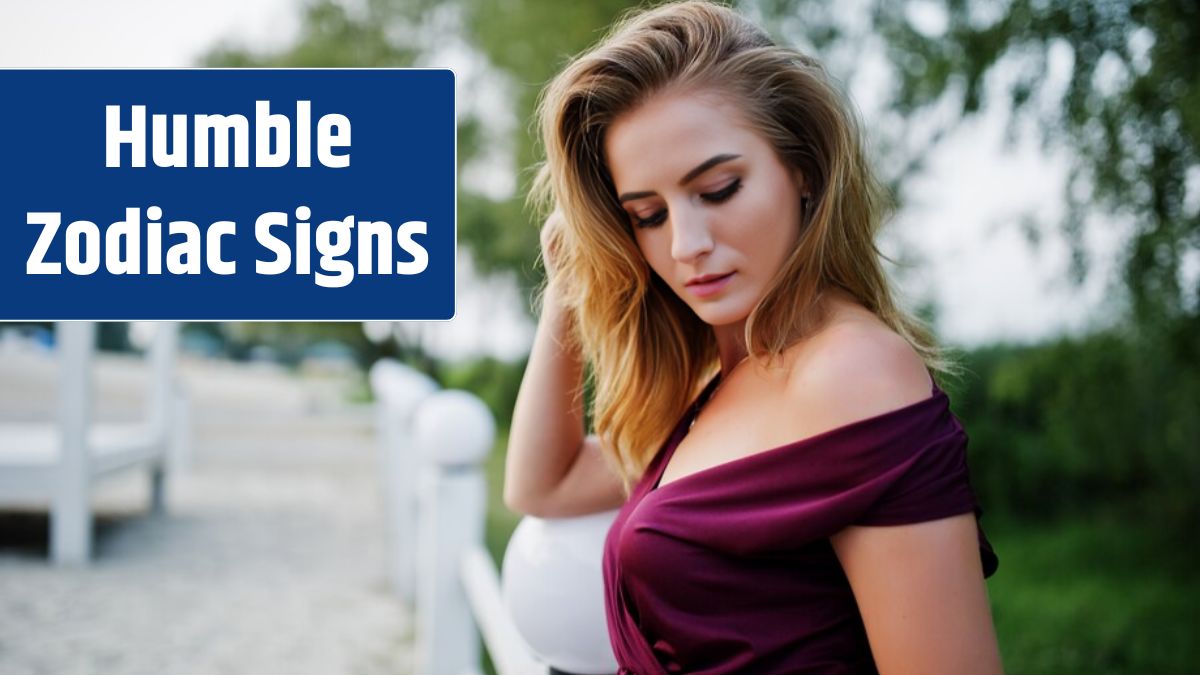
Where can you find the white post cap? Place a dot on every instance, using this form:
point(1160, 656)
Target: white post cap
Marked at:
point(398, 385)
point(454, 428)
point(553, 587)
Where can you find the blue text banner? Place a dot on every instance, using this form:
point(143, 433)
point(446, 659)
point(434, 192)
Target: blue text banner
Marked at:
point(313, 195)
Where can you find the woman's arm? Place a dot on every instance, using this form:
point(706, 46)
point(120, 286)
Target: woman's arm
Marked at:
point(552, 470)
point(921, 594)
point(919, 587)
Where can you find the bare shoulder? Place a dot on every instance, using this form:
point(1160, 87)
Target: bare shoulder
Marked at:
point(856, 369)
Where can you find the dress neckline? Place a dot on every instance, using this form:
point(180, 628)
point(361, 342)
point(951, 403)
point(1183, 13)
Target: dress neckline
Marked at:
point(694, 410)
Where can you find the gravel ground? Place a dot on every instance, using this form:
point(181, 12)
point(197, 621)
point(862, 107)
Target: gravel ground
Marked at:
point(268, 560)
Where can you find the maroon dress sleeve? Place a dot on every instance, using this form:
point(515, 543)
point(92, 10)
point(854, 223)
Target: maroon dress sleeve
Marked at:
point(730, 570)
point(921, 474)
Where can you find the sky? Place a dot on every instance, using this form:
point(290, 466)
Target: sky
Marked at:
point(958, 233)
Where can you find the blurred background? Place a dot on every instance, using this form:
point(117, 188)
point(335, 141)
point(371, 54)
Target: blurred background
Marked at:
point(1044, 158)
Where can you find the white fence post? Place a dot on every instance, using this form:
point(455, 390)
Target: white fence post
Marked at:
point(71, 522)
point(453, 431)
point(398, 391)
point(434, 444)
point(162, 404)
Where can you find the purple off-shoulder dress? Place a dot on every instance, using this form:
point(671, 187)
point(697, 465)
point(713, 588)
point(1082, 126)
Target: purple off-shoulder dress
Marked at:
point(730, 569)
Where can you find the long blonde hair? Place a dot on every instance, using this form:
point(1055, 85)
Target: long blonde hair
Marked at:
point(649, 352)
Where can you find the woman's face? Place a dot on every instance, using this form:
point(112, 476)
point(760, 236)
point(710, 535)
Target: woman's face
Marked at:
point(714, 210)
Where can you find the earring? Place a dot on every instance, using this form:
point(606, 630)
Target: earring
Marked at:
point(804, 201)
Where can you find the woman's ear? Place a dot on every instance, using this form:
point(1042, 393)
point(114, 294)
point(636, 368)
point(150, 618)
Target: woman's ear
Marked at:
point(805, 194)
point(801, 184)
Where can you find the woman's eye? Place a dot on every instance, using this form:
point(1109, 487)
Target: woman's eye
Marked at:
point(716, 197)
point(724, 193)
point(656, 219)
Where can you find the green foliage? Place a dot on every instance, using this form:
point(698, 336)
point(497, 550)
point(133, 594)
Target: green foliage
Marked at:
point(1130, 115)
point(531, 40)
point(495, 382)
point(527, 42)
point(331, 36)
point(396, 33)
point(1065, 425)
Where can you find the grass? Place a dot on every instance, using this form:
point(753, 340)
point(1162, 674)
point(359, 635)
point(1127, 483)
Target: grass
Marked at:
point(1106, 593)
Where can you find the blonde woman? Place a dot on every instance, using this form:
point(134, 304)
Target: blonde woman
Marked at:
point(793, 487)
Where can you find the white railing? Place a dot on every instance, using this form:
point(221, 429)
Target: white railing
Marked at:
point(434, 445)
point(61, 461)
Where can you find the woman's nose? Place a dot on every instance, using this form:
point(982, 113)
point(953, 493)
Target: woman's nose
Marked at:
point(690, 236)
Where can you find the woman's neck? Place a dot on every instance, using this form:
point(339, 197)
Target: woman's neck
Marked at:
point(731, 345)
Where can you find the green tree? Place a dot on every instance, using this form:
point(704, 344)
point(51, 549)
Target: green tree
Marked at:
point(1129, 118)
point(332, 36)
point(527, 42)
point(399, 33)
point(1130, 115)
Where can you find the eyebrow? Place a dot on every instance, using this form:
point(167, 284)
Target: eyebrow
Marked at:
point(687, 177)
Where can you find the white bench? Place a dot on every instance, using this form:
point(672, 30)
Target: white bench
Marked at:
point(59, 461)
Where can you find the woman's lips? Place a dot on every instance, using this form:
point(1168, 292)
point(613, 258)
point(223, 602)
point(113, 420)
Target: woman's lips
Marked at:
point(706, 288)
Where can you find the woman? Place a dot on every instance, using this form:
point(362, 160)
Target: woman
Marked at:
point(716, 214)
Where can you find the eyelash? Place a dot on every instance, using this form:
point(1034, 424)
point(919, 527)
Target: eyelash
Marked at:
point(717, 197)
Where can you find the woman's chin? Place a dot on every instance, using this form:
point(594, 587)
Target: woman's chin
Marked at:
point(717, 316)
